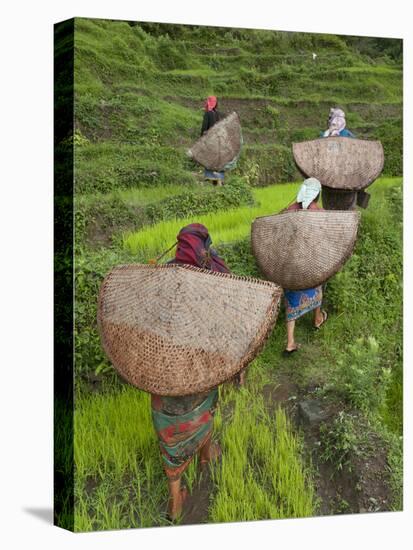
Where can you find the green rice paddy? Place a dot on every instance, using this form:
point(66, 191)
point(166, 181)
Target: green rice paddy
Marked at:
point(138, 101)
point(224, 226)
point(261, 475)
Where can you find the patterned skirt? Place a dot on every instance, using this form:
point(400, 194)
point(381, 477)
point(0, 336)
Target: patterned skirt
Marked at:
point(211, 175)
point(298, 302)
point(183, 426)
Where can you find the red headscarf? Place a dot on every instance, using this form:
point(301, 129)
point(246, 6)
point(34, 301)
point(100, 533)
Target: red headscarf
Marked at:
point(211, 103)
point(193, 248)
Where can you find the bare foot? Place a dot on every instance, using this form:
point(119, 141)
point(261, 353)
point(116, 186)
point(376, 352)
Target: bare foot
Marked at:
point(324, 317)
point(175, 504)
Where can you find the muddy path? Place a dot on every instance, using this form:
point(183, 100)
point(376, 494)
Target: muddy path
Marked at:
point(363, 484)
point(197, 503)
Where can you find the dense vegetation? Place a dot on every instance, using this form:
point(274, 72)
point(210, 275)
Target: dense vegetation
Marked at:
point(138, 106)
point(140, 90)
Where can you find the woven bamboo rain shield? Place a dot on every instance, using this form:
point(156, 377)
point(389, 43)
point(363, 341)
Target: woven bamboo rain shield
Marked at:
point(219, 145)
point(339, 162)
point(302, 249)
point(180, 330)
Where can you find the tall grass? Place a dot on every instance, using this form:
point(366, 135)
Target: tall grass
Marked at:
point(119, 480)
point(224, 226)
point(261, 475)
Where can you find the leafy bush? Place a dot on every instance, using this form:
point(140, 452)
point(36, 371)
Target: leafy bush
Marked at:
point(390, 133)
point(89, 356)
point(339, 441)
point(360, 377)
point(169, 54)
point(275, 163)
point(367, 296)
point(236, 192)
point(239, 258)
point(110, 218)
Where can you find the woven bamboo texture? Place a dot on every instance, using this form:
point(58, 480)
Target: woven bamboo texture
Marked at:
point(339, 162)
point(220, 145)
point(303, 249)
point(179, 330)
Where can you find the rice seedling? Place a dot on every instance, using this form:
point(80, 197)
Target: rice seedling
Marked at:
point(261, 474)
point(119, 480)
point(224, 226)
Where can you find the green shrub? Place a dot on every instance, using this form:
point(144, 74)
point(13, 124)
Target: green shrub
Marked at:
point(390, 133)
point(367, 297)
point(275, 164)
point(168, 54)
point(339, 441)
point(360, 378)
point(235, 193)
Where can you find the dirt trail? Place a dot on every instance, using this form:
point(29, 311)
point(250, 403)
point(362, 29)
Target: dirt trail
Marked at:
point(363, 489)
point(197, 503)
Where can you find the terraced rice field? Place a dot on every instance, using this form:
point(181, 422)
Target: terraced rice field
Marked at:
point(138, 106)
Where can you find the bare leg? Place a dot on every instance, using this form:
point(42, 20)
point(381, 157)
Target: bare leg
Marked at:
point(239, 379)
point(177, 497)
point(209, 451)
point(320, 317)
point(290, 336)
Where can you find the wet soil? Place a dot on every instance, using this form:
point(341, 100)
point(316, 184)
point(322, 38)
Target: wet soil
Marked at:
point(360, 487)
point(197, 503)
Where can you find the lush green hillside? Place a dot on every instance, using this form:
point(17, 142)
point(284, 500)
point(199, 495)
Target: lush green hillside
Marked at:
point(138, 106)
point(140, 92)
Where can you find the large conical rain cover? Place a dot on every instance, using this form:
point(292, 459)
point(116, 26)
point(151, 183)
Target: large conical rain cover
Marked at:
point(220, 145)
point(340, 162)
point(303, 248)
point(180, 330)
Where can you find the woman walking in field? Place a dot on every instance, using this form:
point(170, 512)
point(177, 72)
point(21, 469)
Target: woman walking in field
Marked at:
point(211, 117)
point(337, 124)
point(299, 302)
point(334, 199)
point(184, 424)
